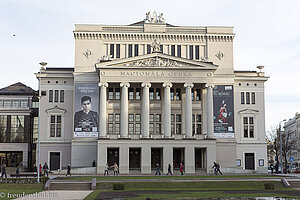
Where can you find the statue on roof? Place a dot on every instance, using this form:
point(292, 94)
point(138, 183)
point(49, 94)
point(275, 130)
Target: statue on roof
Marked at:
point(148, 17)
point(154, 18)
point(161, 18)
point(155, 46)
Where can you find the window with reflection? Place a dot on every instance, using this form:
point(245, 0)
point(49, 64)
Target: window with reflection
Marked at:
point(17, 129)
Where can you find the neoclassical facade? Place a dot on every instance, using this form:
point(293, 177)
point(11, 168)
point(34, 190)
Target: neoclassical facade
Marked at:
point(163, 95)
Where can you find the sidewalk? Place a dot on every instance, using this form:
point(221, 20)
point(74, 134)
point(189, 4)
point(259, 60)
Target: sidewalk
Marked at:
point(57, 195)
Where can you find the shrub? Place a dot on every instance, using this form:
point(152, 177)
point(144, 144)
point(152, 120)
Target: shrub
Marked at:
point(269, 186)
point(118, 186)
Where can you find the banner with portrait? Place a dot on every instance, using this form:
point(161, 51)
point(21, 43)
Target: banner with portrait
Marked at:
point(86, 110)
point(223, 111)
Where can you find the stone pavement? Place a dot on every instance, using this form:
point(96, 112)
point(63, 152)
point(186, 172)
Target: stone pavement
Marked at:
point(57, 195)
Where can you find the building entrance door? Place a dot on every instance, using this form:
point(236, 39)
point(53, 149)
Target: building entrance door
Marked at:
point(112, 156)
point(54, 160)
point(156, 157)
point(200, 158)
point(249, 161)
point(134, 158)
point(178, 157)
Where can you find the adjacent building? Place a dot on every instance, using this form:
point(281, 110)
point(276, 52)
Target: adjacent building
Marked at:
point(18, 125)
point(153, 93)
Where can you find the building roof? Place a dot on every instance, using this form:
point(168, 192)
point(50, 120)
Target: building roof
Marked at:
point(17, 89)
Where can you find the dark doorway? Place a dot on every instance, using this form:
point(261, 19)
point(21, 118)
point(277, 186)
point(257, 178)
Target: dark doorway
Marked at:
point(249, 161)
point(112, 156)
point(200, 158)
point(11, 159)
point(54, 160)
point(134, 158)
point(178, 157)
point(156, 157)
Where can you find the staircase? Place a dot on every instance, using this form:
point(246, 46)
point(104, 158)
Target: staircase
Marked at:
point(70, 185)
point(294, 184)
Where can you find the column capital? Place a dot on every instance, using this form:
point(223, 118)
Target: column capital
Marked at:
point(125, 84)
point(167, 84)
point(103, 84)
point(209, 85)
point(146, 84)
point(188, 85)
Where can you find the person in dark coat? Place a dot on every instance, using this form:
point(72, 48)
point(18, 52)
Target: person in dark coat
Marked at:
point(68, 170)
point(169, 170)
point(157, 170)
point(3, 171)
point(18, 172)
point(45, 169)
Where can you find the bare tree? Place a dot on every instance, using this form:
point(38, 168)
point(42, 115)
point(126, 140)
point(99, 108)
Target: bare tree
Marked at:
point(273, 146)
point(289, 143)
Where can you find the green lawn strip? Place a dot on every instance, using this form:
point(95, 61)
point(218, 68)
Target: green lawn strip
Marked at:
point(206, 195)
point(99, 178)
point(20, 188)
point(93, 195)
point(193, 185)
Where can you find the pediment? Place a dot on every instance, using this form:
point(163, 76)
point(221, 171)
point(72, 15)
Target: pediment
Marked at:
point(248, 111)
point(156, 60)
point(56, 109)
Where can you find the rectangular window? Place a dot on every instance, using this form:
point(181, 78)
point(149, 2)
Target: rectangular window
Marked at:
point(136, 50)
point(178, 118)
point(252, 97)
point(110, 117)
point(110, 93)
point(56, 96)
point(50, 95)
point(148, 48)
point(172, 50)
point(24, 103)
point(52, 126)
point(176, 124)
point(151, 128)
point(193, 94)
point(62, 96)
point(118, 94)
point(161, 48)
point(191, 52)
point(137, 128)
point(197, 52)
point(247, 97)
point(117, 126)
point(58, 126)
point(55, 126)
point(1, 103)
point(248, 127)
point(6, 103)
point(137, 93)
point(157, 94)
point(130, 93)
point(118, 51)
point(16, 134)
point(131, 117)
point(130, 50)
point(157, 118)
point(15, 104)
point(111, 50)
point(158, 128)
point(178, 128)
point(178, 50)
point(137, 117)
point(198, 94)
point(178, 94)
point(117, 117)
point(110, 128)
point(131, 128)
point(172, 94)
point(151, 118)
point(151, 93)
point(242, 98)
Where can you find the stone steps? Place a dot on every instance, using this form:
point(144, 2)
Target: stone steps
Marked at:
point(294, 184)
point(70, 186)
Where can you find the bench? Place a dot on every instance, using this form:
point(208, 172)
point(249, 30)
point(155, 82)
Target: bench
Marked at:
point(23, 175)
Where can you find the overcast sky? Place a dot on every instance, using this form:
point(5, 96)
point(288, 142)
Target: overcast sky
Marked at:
point(267, 33)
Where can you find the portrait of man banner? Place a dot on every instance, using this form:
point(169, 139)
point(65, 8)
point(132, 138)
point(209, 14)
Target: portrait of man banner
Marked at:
point(86, 110)
point(223, 111)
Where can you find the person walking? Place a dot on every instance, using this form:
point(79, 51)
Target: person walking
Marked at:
point(215, 166)
point(169, 170)
point(68, 170)
point(218, 168)
point(40, 169)
point(4, 171)
point(116, 169)
point(157, 170)
point(18, 172)
point(45, 169)
point(181, 169)
point(106, 169)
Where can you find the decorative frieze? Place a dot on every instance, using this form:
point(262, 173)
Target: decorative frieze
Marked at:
point(156, 62)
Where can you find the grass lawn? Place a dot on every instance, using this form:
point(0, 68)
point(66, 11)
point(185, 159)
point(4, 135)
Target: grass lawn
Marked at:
point(194, 189)
point(6, 189)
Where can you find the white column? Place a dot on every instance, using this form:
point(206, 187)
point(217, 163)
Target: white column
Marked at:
point(210, 111)
point(188, 110)
point(102, 118)
point(124, 110)
point(145, 110)
point(167, 110)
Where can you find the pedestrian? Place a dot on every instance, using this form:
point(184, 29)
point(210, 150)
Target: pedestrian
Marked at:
point(94, 163)
point(45, 169)
point(21, 165)
point(157, 170)
point(181, 169)
point(215, 166)
point(40, 169)
point(106, 169)
point(3, 171)
point(116, 169)
point(18, 172)
point(218, 168)
point(272, 168)
point(68, 170)
point(169, 170)
point(34, 169)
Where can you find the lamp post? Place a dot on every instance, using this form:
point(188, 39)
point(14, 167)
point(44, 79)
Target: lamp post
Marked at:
point(281, 145)
point(43, 64)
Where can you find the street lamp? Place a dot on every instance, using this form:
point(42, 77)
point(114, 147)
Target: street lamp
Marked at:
point(281, 145)
point(43, 64)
